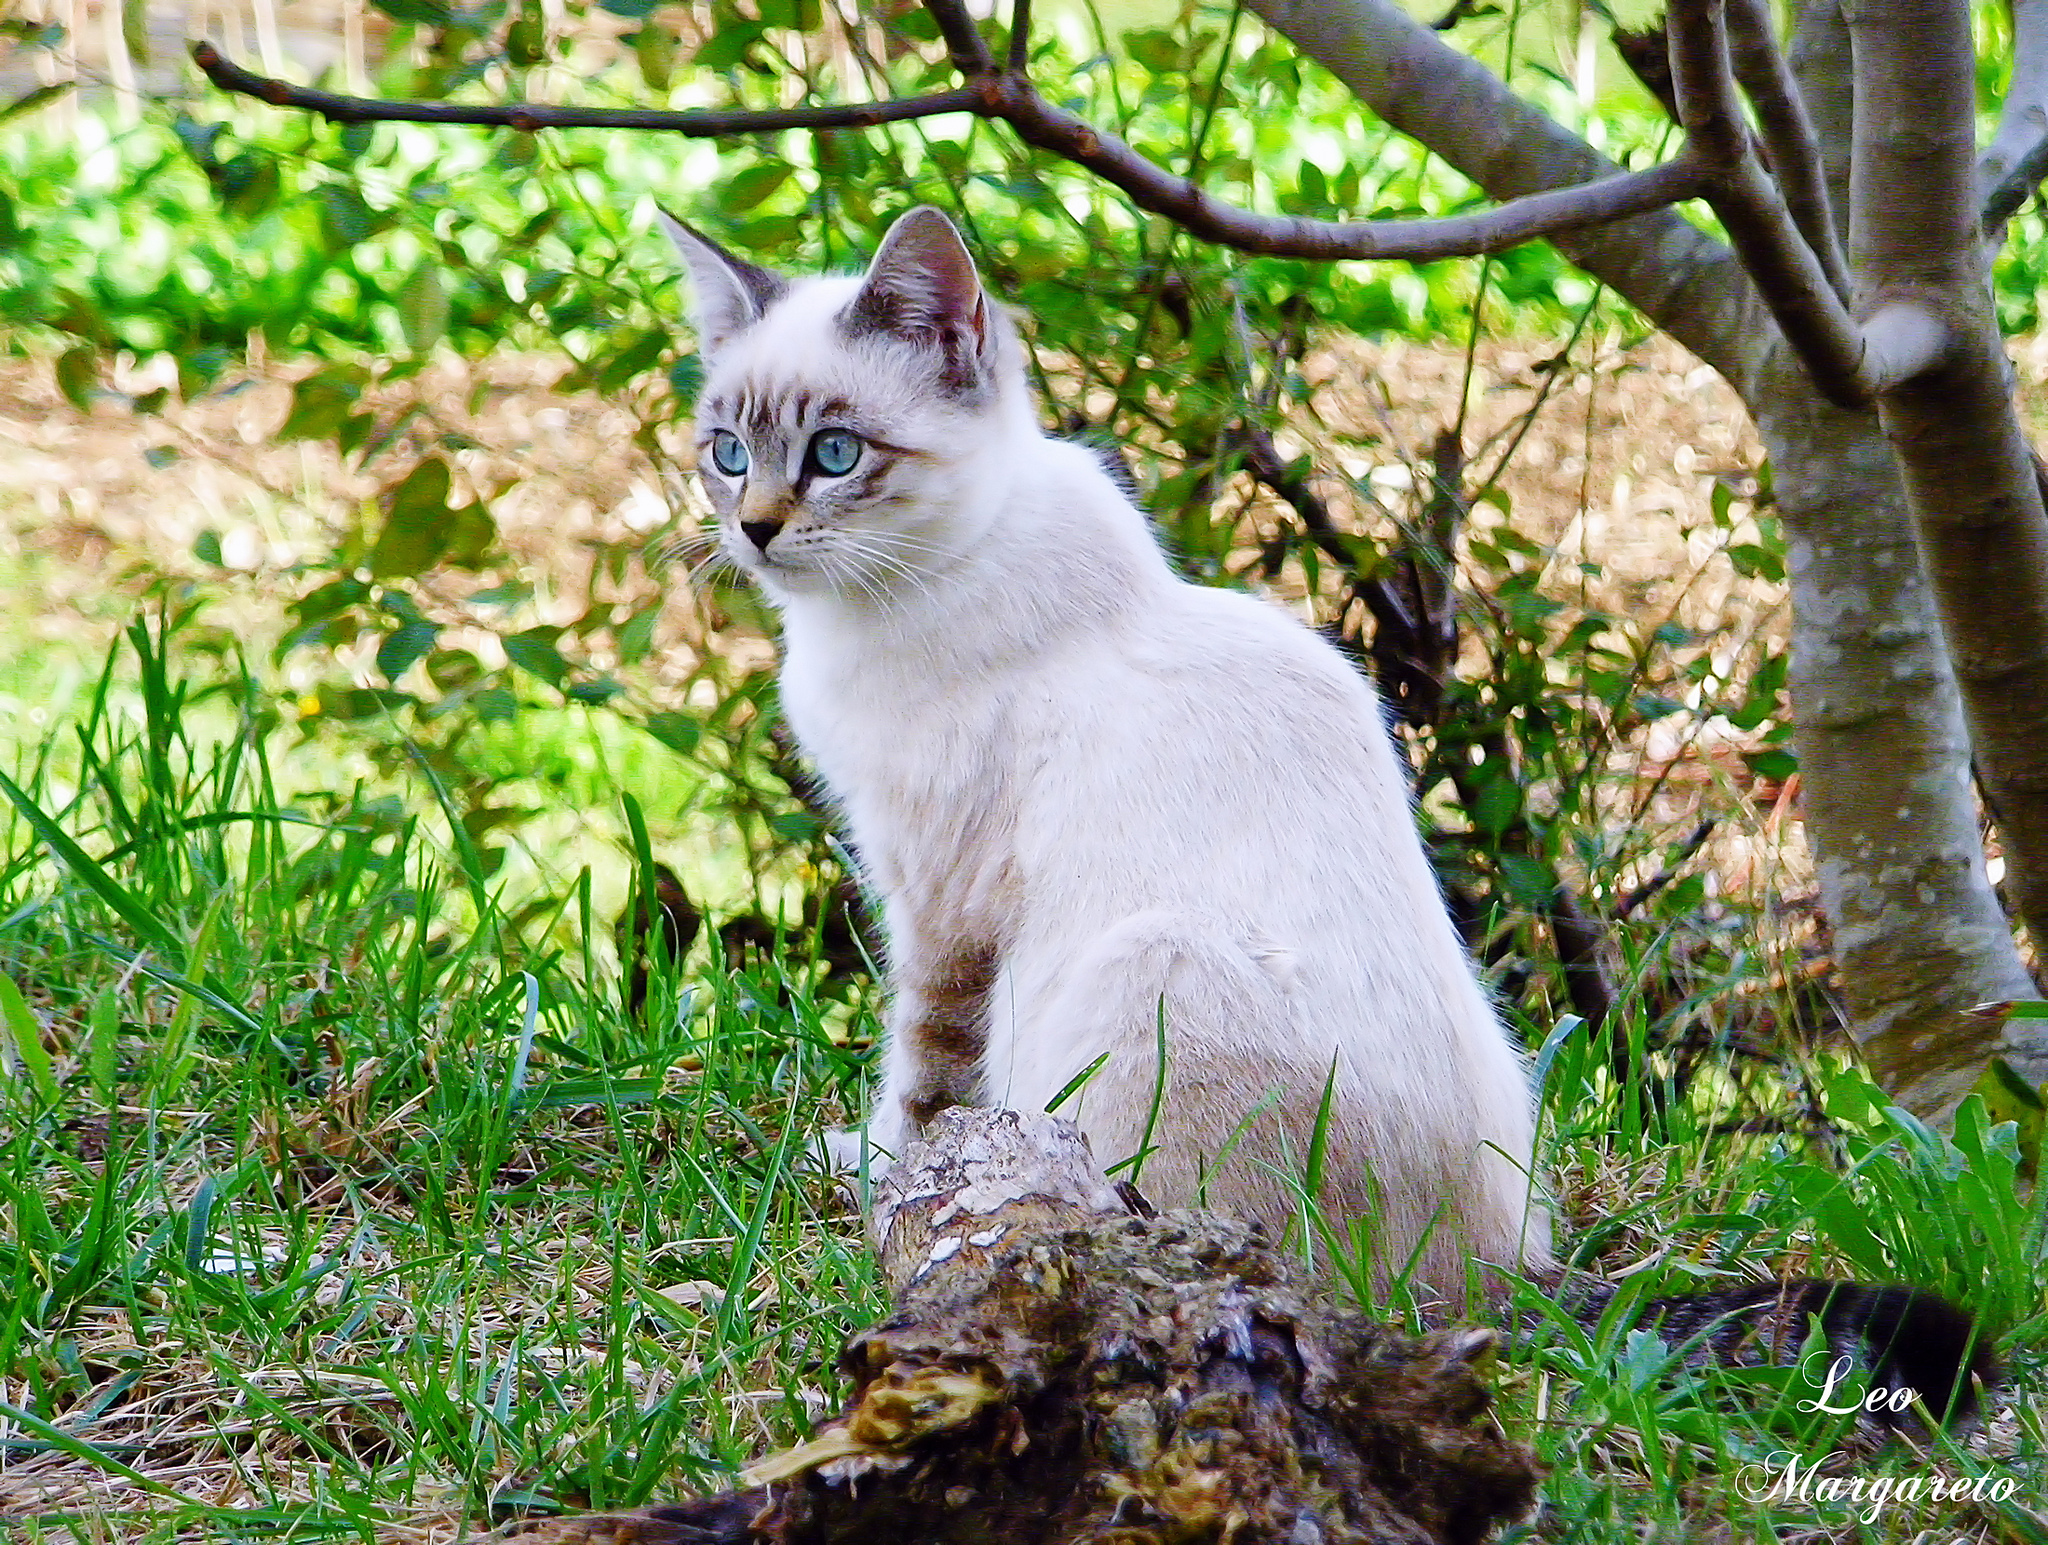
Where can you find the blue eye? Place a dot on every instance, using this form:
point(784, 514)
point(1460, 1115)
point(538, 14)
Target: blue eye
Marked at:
point(835, 452)
point(727, 454)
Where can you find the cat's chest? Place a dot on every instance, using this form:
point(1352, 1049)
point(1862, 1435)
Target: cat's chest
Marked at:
point(922, 767)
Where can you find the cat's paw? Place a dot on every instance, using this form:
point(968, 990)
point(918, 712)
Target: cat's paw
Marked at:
point(850, 1151)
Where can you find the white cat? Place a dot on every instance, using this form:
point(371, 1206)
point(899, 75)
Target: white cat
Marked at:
point(1098, 803)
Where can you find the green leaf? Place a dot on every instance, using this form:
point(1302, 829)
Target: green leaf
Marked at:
point(1753, 561)
point(534, 652)
point(1529, 880)
point(1777, 764)
point(199, 370)
point(415, 525)
point(686, 380)
point(423, 306)
point(21, 1036)
point(78, 375)
point(103, 1049)
point(472, 537)
point(654, 49)
point(727, 48)
point(39, 96)
point(631, 360)
point(345, 219)
point(750, 186)
point(677, 731)
point(636, 636)
point(421, 13)
point(248, 185)
point(320, 404)
point(403, 646)
point(796, 826)
point(1157, 49)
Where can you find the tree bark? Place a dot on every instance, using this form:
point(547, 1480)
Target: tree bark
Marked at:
point(1884, 755)
point(1059, 1369)
point(1969, 473)
point(1878, 716)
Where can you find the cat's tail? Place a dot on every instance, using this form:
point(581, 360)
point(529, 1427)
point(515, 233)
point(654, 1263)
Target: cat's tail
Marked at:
point(1911, 1350)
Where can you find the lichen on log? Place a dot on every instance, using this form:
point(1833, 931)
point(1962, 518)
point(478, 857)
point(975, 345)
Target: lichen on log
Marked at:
point(1060, 1369)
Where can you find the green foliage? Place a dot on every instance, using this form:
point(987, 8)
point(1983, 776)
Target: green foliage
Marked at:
point(338, 1076)
point(319, 1133)
point(294, 1102)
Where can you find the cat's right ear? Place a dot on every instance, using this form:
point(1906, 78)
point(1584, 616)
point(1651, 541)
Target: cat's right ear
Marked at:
point(728, 294)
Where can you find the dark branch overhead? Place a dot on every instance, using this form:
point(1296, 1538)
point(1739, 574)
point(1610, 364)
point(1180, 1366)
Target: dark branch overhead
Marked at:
point(693, 123)
point(1007, 95)
point(1779, 224)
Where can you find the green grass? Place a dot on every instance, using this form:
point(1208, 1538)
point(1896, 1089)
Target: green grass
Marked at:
point(342, 1193)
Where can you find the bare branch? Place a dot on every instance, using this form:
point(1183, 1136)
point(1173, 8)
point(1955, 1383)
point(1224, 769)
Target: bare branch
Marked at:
point(1676, 274)
point(1616, 197)
point(2014, 189)
point(694, 123)
point(963, 40)
point(1020, 36)
point(1788, 275)
point(1636, 896)
point(2017, 157)
point(1788, 133)
point(1012, 99)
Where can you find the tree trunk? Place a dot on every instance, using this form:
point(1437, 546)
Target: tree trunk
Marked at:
point(1059, 1370)
point(1889, 809)
point(1884, 755)
point(1969, 473)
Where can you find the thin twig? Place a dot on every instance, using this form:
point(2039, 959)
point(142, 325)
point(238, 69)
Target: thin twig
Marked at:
point(2015, 161)
point(963, 39)
point(1020, 36)
point(693, 123)
point(2015, 187)
point(1789, 277)
point(1663, 877)
point(1788, 133)
point(1011, 98)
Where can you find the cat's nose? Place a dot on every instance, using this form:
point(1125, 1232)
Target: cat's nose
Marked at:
point(761, 532)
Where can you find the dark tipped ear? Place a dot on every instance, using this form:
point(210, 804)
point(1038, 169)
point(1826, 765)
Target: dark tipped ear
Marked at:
point(729, 294)
point(922, 289)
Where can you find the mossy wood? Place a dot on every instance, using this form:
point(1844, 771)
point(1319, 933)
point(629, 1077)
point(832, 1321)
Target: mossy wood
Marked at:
point(1061, 1369)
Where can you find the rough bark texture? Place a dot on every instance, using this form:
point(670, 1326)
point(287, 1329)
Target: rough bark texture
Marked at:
point(1886, 757)
point(1060, 1370)
point(1968, 471)
point(1890, 809)
point(1920, 933)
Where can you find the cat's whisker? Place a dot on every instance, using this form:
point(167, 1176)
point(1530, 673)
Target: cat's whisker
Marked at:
point(679, 547)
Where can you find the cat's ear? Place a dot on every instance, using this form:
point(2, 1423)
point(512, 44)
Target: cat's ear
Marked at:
point(728, 293)
point(922, 289)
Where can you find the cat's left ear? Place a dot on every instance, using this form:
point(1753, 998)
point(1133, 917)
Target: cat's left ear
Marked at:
point(922, 289)
point(729, 294)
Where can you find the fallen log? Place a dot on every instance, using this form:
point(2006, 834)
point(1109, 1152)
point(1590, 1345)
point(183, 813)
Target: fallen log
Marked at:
point(1061, 1369)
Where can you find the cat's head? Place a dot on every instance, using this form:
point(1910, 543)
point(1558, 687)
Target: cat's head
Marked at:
point(848, 427)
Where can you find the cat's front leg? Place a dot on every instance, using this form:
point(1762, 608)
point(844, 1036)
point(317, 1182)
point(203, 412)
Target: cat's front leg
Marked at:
point(937, 1031)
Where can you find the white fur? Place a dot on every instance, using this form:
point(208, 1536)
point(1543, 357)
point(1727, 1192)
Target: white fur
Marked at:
point(1139, 790)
